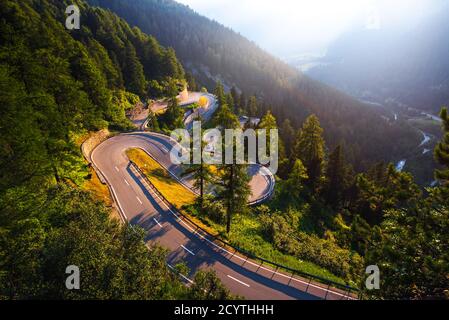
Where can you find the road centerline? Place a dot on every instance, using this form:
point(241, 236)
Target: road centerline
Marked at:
point(241, 282)
point(157, 222)
point(182, 246)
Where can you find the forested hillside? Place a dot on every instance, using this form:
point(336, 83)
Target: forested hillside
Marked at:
point(60, 83)
point(56, 85)
point(213, 52)
point(327, 220)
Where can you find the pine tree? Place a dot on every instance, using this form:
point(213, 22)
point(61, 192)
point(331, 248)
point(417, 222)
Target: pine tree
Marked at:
point(296, 179)
point(191, 82)
point(230, 101)
point(171, 65)
point(201, 173)
point(133, 73)
point(233, 183)
point(234, 189)
point(220, 94)
point(442, 150)
point(235, 98)
point(226, 119)
point(153, 124)
point(242, 104)
point(268, 122)
point(173, 117)
point(171, 88)
point(309, 149)
point(252, 106)
point(336, 172)
point(287, 134)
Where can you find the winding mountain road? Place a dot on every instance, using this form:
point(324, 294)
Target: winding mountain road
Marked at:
point(141, 205)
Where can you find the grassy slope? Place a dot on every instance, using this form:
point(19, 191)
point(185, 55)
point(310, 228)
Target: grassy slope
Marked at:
point(173, 191)
point(246, 234)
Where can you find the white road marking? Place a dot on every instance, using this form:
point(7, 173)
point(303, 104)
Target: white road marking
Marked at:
point(139, 200)
point(127, 183)
point(117, 169)
point(157, 222)
point(241, 282)
point(164, 149)
point(187, 250)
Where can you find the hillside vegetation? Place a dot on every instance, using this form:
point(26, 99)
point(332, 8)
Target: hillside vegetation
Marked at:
point(56, 85)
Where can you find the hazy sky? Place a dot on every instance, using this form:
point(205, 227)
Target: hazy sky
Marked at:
point(290, 27)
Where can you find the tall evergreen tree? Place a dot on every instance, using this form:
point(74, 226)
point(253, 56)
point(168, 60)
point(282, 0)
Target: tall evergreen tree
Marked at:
point(191, 82)
point(234, 189)
point(153, 124)
point(235, 98)
point(309, 149)
point(226, 119)
point(133, 73)
point(336, 172)
point(173, 117)
point(395, 190)
point(287, 134)
point(201, 173)
point(242, 104)
point(296, 180)
point(172, 65)
point(230, 102)
point(442, 150)
point(253, 106)
point(220, 94)
point(268, 122)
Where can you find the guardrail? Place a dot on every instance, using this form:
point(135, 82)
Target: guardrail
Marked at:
point(346, 292)
point(271, 182)
point(88, 157)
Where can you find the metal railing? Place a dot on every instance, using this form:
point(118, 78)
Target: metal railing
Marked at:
point(345, 292)
point(271, 183)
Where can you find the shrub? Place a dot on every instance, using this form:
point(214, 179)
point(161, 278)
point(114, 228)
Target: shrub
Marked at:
point(214, 210)
point(325, 253)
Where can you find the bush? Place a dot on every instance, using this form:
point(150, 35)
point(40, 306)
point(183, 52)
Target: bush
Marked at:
point(214, 210)
point(325, 253)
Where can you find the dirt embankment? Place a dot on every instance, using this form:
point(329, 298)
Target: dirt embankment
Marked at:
point(96, 184)
point(94, 139)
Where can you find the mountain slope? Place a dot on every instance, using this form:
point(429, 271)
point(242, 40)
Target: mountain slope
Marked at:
point(62, 83)
point(410, 67)
point(213, 52)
